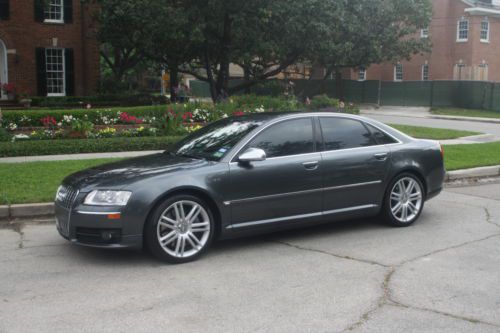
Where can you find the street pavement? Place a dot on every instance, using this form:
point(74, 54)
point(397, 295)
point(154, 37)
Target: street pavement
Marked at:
point(421, 117)
point(440, 275)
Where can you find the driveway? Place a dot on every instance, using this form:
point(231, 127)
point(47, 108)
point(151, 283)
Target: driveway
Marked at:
point(440, 275)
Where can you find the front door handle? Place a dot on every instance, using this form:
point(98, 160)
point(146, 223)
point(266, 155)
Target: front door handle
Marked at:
point(311, 165)
point(381, 156)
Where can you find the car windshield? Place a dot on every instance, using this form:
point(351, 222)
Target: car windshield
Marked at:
point(213, 141)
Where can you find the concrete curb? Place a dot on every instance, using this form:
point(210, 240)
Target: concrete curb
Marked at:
point(473, 119)
point(38, 210)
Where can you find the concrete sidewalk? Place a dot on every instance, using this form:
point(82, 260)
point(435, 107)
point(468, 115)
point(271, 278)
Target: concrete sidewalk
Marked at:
point(123, 154)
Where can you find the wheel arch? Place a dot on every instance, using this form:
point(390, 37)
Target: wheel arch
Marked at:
point(414, 171)
point(194, 191)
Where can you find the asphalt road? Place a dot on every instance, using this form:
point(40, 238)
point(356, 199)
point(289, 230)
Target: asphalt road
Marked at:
point(440, 275)
point(481, 127)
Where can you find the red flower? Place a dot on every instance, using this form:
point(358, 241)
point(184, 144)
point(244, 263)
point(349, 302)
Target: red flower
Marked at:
point(187, 115)
point(238, 113)
point(9, 88)
point(128, 119)
point(48, 121)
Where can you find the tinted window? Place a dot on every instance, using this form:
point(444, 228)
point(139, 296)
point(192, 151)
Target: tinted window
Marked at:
point(290, 137)
point(341, 133)
point(215, 140)
point(381, 137)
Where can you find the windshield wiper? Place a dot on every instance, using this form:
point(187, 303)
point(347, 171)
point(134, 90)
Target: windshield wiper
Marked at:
point(190, 156)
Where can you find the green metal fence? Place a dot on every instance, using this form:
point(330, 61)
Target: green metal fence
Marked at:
point(464, 94)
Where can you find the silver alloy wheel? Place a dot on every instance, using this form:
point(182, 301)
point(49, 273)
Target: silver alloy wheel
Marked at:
point(183, 235)
point(406, 199)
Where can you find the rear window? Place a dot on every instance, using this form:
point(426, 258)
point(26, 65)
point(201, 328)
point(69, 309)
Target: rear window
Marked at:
point(381, 137)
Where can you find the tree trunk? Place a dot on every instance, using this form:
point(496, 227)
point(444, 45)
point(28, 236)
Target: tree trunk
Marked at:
point(174, 83)
point(246, 76)
point(339, 87)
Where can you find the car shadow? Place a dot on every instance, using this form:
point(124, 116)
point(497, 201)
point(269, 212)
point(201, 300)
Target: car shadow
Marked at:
point(126, 257)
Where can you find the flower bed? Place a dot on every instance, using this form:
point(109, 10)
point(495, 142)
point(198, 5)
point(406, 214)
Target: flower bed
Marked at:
point(176, 119)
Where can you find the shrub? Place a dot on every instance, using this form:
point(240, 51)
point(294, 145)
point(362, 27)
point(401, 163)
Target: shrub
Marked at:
point(4, 135)
point(99, 100)
point(323, 101)
point(31, 148)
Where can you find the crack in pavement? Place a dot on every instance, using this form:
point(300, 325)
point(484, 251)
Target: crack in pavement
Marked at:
point(19, 229)
point(386, 297)
point(489, 218)
point(365, 261)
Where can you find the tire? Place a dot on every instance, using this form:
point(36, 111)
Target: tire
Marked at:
point(403, 200)
point(173, 236)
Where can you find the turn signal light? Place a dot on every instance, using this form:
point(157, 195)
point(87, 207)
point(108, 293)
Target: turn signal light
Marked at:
point(114, 216)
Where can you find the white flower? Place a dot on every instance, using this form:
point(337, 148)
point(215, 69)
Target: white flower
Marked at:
point(12, 126)
point(224, 115)
point(59, 124)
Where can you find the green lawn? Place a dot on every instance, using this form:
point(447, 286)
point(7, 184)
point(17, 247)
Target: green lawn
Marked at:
point(37, 181)
point(470, 156)
point(465, 112)
point(432, 133)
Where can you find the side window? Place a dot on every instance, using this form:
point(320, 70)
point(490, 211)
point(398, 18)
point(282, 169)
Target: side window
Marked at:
point(290, 137)
point(342, 133)
point(381, 137)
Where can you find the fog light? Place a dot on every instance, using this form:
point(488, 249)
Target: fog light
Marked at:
point(106, 235)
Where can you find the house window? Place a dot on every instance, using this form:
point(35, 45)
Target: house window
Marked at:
point(485, 31)
point(463, 30)
point(425, 72)
point(54, 11)
point(398, 72)
point(424, 33)
point(54, 62)
point(362, 74)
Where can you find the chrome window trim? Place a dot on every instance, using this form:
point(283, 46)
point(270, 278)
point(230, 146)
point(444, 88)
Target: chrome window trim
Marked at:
point(232, 160)
point(278, 195)
point(296, 217)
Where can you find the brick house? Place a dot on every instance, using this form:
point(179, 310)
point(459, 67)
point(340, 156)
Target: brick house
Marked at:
point(465, 36)
point(47, 47)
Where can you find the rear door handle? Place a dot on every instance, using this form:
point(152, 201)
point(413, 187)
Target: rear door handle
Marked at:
point(381, 156)
point(311, 165)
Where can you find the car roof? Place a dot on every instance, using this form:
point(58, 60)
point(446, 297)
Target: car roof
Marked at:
point(268, 116)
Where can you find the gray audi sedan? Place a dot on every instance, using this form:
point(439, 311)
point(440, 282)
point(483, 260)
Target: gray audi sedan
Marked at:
point(251, 174)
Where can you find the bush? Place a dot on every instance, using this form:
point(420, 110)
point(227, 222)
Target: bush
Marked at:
point(99, 100)
point(323, 101)
point(33, 148)
point(4, 135)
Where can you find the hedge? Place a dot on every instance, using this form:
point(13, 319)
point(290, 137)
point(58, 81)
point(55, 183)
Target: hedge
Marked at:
point(98, 100)
point(54, 147)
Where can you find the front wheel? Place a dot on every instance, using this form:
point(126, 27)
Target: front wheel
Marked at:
point(180, 229)
point(404, 200)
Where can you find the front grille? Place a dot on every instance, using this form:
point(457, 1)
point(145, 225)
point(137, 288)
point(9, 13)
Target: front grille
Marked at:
point(98, 236)
point(66, 196)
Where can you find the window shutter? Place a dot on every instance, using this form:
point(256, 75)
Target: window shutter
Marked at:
point(69, 71)
point(39, 11)
point(4, 9)
point(41, 73)
point(68, 11)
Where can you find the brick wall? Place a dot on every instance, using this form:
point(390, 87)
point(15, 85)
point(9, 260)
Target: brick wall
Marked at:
point(22, 35)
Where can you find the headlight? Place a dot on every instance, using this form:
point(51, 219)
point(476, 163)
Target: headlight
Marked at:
point(107, 198)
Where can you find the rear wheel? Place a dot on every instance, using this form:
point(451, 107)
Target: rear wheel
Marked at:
point(404, 200)
point(180, 229)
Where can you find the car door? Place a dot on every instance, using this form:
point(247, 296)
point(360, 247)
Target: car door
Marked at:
point(354, 165)
point(286, 185)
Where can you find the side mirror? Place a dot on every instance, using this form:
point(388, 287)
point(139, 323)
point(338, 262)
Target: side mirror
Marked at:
point(252, 155)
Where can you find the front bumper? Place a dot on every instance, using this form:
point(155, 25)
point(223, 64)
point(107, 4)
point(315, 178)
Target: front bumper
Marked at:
point(94, 228)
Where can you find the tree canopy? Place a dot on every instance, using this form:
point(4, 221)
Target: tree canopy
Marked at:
point(263, 37)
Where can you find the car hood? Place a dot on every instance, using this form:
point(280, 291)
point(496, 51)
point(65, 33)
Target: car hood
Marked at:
point(119, 174)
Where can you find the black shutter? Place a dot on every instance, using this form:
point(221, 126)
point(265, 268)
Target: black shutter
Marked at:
point(4, 9)
point(69, 70)
point(39, 10)
point(41, 72)
point(68, 11)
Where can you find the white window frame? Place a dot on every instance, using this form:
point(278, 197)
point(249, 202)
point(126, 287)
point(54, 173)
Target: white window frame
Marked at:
point(396, 73)
point(63, 71)
point(487, 39)
point(361, 74)
point(459, 39)
point(424, 33)
point(425, 68)
point(61, 20)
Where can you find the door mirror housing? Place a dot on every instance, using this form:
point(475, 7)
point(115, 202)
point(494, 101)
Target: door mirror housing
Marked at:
point(252, 155)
